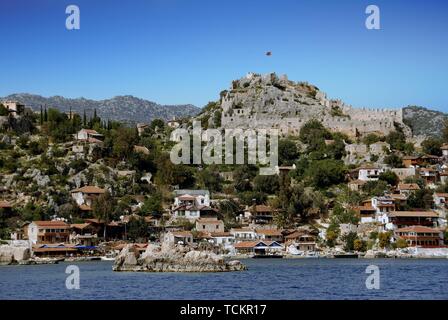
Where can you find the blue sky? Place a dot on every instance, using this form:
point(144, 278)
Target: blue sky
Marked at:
point(187, 51)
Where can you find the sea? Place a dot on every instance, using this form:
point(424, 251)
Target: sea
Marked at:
point(265, 279)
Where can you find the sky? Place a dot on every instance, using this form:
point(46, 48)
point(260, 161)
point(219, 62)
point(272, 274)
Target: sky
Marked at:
point(187, 51)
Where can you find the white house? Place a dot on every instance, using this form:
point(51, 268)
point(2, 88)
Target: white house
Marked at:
point(244, 234)
point(88, 135)
point(197, 197)
point(192, 204)
point(383, 205)
point(369, 173)
point(440, 199)
point(48, 232)
point(222, 238)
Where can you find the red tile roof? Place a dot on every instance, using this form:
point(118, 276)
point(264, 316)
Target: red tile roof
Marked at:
point(418, 229)
point(428, 214)
point(53, 224)
point(89, 189)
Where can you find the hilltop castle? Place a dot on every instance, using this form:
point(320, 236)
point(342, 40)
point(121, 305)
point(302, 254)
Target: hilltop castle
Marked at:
point(268, 101)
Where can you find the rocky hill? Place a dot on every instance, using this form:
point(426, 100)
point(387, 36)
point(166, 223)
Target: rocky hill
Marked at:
point(270, 101)
point(424, 121)
point(121, 108)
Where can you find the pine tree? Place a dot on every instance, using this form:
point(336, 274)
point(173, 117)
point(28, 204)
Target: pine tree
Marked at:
point(41, 116)
point(84, 119)
point(45, 115)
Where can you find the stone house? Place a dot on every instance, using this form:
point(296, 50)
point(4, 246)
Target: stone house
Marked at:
point(404, 173)
point(178, 237)
point(88, 135)
point(211, 225)
point(86, 195)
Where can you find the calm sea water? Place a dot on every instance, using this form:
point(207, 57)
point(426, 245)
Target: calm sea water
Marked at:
point(293, 279)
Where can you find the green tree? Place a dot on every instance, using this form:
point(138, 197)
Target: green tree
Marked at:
point(302, 202)
point(359, 245)
point(210, 179)
point(314, 134)
point(401, 243)
point(287, 152)
point(342, 215)
point(396, 139)
point(349, 241)
point(394, 160)
point(267, 184)
point(325, 173)
point(3, 110)
point(432, 146)
point(332, 235)
point(389, 177)
point(137, 229)
point(384, 239)
point(371, 138)
point(420, 199)
point(103, 208)
point(375, 188)
point(153, 205)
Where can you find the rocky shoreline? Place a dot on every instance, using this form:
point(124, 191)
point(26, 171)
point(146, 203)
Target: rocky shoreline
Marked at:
point(172, 258)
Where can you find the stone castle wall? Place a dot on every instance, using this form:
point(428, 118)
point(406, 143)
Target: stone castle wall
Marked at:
point(269, 102)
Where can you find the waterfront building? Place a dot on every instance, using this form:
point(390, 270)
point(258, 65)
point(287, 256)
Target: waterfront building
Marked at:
point(48, 232)
point(420, 236)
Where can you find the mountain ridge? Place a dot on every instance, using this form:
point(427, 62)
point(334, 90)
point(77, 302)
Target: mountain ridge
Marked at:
point(126, 108)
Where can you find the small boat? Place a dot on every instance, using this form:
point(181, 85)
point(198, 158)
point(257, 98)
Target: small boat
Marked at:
point(346, 256)
point(108, 257)
point(268, 256)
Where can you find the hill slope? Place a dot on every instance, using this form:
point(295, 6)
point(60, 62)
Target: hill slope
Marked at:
point(121, 108)
point(424, 121)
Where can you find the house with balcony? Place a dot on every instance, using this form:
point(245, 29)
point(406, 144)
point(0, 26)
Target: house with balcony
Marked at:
point(400, 219)
point(407, 188)
point(192, 205)
point(83, 234)
point(383, 205)
point(420, 236)
point(259, 214)
point(48, 232)
point(270, 235)
point(366, 214)
point(412, 161)
point(258, 247)
point(369, 173)
point(222, 238)
point(429, 175)
point(244, 234)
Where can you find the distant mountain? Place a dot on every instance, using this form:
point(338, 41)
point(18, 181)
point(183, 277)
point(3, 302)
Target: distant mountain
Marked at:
point(122, 108)
point(424, 121)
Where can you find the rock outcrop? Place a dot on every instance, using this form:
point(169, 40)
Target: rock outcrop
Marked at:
point(172, 258)
point(14, 255)
point(269, 101)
